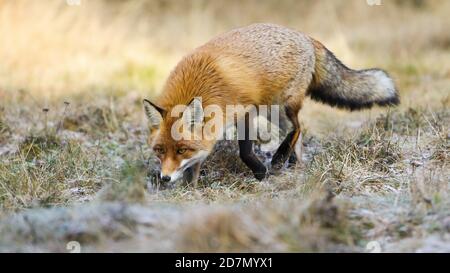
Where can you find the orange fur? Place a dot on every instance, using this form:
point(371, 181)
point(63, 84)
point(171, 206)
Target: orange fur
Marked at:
point(262, 64)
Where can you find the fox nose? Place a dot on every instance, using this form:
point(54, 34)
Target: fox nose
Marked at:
point(165, 178)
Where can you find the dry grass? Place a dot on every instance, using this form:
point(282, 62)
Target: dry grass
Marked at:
point(74, 164)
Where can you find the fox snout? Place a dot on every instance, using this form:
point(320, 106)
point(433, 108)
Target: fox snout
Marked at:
point(165, 178)
point(173, 169)
point(171, 175)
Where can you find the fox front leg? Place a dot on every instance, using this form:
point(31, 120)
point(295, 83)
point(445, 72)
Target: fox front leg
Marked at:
point(249, 158)
point(247, 155)
point(191, 175)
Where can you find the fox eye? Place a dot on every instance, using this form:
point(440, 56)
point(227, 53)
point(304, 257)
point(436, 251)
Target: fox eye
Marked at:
point(181, 151)
point(158, 150)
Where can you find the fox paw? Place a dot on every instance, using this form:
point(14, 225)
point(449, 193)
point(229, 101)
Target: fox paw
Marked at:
point(260, 175)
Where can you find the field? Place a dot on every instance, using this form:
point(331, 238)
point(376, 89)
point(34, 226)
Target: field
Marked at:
point(75, 166)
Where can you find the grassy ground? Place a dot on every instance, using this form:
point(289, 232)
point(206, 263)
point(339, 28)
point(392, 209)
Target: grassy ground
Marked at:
point(74, 165)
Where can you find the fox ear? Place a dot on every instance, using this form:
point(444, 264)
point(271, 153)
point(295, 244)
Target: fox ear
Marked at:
point(194, 112)
point(154, 113)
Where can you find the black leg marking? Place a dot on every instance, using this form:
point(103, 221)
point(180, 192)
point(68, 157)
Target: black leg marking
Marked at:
point(285, 150)
point(250, 159)
point(292, 160)
point(287, 146)
point(248, 156)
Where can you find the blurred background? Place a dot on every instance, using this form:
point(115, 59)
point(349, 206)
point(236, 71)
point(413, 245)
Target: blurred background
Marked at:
point(53, 47)
point(74, 159)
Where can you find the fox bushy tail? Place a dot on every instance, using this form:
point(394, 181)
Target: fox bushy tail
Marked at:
point(337, 85)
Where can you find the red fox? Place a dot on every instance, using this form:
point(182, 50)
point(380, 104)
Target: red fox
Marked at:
point(261, 64)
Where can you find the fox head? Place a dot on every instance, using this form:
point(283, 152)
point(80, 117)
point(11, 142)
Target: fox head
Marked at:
point(177, 154)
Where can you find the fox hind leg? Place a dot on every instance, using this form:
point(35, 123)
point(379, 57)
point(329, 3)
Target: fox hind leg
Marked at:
point(291, 142)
